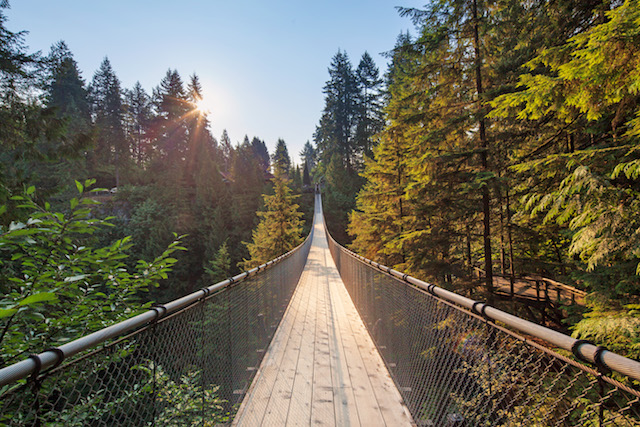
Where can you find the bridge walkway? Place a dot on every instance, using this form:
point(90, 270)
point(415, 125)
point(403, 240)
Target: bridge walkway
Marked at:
point(322, 367)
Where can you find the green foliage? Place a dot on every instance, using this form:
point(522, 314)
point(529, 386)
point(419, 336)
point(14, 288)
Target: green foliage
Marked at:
point(219, 267)
point(183, 399)
point(56, 286)
point(281, 157)
point(280, 227)
point(611, 323)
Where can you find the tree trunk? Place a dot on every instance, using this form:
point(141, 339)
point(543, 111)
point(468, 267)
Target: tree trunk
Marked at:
point(486, 201)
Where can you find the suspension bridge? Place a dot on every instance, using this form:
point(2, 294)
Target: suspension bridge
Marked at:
point(322, 336)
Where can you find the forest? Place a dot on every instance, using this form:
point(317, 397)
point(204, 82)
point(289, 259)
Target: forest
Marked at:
point(113, 198)
point(503, 137)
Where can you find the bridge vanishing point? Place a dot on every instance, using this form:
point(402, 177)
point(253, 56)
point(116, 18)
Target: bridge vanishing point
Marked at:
point(322, 336)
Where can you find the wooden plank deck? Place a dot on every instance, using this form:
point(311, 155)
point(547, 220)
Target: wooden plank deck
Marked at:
point(322, 367)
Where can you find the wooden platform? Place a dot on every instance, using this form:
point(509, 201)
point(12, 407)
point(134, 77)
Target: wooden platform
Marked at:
point(322, 367)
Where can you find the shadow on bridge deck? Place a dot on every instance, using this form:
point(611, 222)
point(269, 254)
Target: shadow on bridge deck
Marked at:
point(322, 367)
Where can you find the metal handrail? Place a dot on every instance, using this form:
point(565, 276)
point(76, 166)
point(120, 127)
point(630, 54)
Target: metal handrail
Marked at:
point(53, 357)
point(580, 348)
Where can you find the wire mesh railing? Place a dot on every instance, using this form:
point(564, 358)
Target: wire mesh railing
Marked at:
point(460, 362)
point(188, 362)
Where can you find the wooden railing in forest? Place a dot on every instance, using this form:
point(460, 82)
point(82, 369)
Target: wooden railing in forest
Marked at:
point(536, 288)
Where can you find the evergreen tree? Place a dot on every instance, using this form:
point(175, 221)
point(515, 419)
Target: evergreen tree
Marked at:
point(24, 124)
point(306, 178)
point(261, 152)
point(108, 114)
point(247, 184)
point(137, 119)
point(308, 155)
point(66, 90)
point(335, 133)
point(219, 267)
point(227, 150)
point(200, 143)
point(172, 107)
point(280, 225)
point(281, 159)
point(370, 119)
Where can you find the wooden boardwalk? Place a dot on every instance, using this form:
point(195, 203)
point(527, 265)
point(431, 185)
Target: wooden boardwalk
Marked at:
point(322, 367)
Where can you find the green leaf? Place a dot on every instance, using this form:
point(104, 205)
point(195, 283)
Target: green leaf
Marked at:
point(80, 187)
point(38, 298)
point(75, 278)
point(6, 312)
point(30, 190)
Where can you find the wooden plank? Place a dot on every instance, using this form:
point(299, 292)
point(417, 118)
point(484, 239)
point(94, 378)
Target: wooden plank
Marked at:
point(346, 411)
point(254, 406)
point(322, 409)
point(278, 406)
point(302, 389)
point(365, 399)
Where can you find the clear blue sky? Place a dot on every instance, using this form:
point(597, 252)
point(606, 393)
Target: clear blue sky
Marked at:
point(262, 63)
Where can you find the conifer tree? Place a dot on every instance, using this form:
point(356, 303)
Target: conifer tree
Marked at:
point(227, 151)
point(66, 90)
point(219, 267)
point(172, 106)
point(137, 118)
point(281, 159)
point(335, 133)
point(308, 155)
point(261, 152)
point(108, 112)
point(24, 124)
point(280, 226)
point(306, 178)
point(370, 119)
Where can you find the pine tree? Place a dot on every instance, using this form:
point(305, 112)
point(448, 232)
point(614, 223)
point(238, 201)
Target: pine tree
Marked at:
point(247, 185)
point(172, 107)
point(261, 152)
point(308, 155)
point(281, 159)
point(335, 133)
point(280, 227)
point(66, 90)
point(370, 119)
point(219, 267)
point(24, 124)
point(227, 151)
point(199, 140)
point(108, 112)
point(66, 94)
point(137, 118)
point(306, 178)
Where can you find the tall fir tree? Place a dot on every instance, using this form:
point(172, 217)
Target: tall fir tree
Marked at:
point(370, 120)
point(281, 159)
point(137, 117)
point(280, 227)
point(309, 156)
point(172, 106)
point(261, 152)
point(111, 152)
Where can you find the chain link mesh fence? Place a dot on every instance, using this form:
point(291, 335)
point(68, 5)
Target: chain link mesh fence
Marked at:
point(456, 368)
point(189, 367)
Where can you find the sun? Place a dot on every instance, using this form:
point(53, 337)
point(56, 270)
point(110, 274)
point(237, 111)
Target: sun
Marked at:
point(202, 107)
